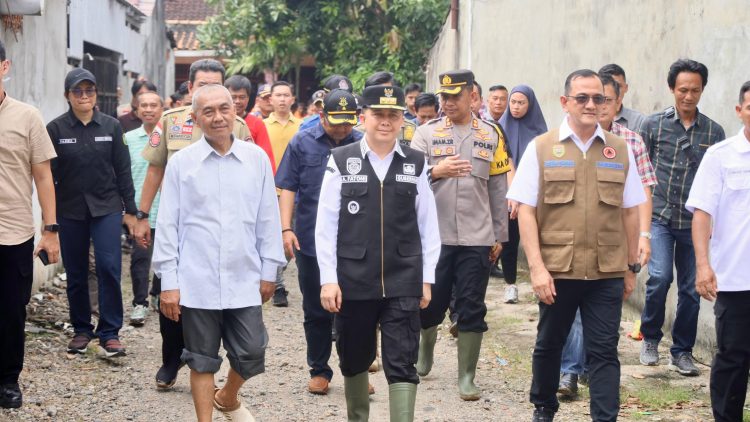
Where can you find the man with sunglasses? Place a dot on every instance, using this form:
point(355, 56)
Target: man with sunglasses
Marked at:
point(579, 190)
point(93, 186)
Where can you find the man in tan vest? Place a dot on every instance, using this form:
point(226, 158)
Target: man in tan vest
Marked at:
point(578, 187)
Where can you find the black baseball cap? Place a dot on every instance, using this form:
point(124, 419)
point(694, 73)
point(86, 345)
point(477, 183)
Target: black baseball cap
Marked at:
point(337, 82)
point(454, 81)
point(340, 107)
point(318, 96)
point(76, 76)
point(384, 96)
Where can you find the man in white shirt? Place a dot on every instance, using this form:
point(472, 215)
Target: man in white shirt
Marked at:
point(218, 245)
point(721, 192)
point(579, 229)
point(377, 244)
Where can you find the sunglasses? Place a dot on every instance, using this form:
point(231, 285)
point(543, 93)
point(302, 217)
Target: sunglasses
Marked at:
point(583, 99)
point(78, 92)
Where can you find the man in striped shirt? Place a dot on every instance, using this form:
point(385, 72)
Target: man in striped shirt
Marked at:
point(676, 139)
point(150, 109)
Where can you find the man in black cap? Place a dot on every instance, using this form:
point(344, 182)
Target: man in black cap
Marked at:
point(329, 84)
point(377, 246)
point(408, 127)
point(93, 187)
point(468, 162)
point(299, 177)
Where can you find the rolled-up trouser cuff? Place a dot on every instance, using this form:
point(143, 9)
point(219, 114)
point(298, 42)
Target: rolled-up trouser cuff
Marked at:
point(200, 363)
point(247, 368)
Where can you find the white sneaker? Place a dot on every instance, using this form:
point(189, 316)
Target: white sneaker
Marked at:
point(511, 294)
point(238, 413)
point(138, 315)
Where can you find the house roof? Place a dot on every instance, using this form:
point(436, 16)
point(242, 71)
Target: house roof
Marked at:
point(186, 36)
point(188, 10)
point(145, 6)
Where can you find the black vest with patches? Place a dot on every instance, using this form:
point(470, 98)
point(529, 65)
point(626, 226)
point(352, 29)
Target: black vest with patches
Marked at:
point(379, 250)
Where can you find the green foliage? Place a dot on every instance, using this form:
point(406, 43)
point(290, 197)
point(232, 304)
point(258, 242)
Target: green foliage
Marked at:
point(350, 37)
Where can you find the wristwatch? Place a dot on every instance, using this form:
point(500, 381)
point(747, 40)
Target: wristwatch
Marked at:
point(647, 235)
point(54, 228)
point(635, 268)
point(140, 215)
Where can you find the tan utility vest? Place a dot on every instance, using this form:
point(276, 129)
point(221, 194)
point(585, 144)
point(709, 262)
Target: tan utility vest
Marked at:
point(581, 234)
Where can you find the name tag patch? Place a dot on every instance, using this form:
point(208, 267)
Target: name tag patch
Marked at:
point(67, 141)
point(559, 163)
point(102, 139)
point(406, 179)
point(354, 178)
point(608, 165)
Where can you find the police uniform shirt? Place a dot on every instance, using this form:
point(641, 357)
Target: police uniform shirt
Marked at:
point(92, 168)
point(525, 187)
point(326, 230)
point(179, 131)
point(472, 209)
point(722, 189)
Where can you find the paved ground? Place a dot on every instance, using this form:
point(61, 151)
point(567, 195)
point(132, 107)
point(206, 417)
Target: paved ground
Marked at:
point(61, 387)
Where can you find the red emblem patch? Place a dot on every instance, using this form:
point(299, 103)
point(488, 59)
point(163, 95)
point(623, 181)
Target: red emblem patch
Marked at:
point(609, 152)
point(154, 139)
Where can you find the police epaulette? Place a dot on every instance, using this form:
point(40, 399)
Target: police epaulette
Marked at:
point(435, 120)
point(496, 126)
point(175, 110)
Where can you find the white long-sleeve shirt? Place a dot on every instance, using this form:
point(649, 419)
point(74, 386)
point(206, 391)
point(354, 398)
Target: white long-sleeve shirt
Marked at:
point(218, 232)
point(327, 223)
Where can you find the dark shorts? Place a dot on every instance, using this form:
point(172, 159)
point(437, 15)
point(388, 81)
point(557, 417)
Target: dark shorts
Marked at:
point(242, 331)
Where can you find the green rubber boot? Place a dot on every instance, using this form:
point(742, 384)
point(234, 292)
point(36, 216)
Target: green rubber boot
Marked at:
point(468, 355)
point(427, 339)
point(357, 397)
point(402, 396)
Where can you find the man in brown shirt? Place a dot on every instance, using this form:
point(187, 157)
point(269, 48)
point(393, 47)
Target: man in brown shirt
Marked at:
point(25, 153)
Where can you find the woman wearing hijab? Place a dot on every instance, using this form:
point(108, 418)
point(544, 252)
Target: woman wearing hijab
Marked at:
point(522, 122)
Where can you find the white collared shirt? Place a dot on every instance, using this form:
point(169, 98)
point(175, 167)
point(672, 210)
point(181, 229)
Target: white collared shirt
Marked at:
point(218, 232)
point(721, 188)
point(525, 186)
point(326, 226)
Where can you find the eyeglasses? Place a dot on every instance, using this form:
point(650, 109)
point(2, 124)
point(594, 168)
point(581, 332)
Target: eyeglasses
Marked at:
point(78, 92)
point(583, 99)
point(609, 100)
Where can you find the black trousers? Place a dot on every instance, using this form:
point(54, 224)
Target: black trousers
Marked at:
point(467, 269)
point(318, 322)
point(172, 339)
point(509, 254)
point(140, 267)
point(601, 307)
point(356, 325)
point(731, 364)
point(16, 277)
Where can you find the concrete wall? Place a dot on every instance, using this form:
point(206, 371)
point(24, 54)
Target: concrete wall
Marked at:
point(539, 42)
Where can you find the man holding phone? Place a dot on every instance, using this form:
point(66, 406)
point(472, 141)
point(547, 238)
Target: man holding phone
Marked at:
point(25, 153)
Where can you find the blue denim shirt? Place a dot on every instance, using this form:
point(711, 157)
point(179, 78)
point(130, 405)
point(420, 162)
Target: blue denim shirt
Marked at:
point(301, 170)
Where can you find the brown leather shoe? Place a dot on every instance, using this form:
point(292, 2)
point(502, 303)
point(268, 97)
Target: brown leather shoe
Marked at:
point(318, 385)
point(370, 389)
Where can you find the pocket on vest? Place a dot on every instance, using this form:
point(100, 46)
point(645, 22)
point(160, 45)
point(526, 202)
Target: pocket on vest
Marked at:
point(351, 251)
point(611, 255)
point(611, 185)
point(557, 250)
point(559, 185)
point(409, 249)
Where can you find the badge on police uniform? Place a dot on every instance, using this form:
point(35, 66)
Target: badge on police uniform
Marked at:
point(609, 152)
point(558, 150)
point(353, 165)
point(353, 207)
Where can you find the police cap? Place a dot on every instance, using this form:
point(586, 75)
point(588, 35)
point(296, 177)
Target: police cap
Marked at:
point(452, 82)
point(340, 107)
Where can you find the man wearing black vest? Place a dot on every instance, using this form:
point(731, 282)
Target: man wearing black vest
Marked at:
point(377, 245)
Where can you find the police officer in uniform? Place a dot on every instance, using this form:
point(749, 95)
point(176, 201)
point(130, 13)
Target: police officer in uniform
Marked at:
point(468, 163)
point(377, 245)
point(579, 189)
point(178, 131)
point(408, 128)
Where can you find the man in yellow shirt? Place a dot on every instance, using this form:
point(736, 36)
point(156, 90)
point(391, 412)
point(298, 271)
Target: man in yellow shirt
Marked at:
point(282, 126)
